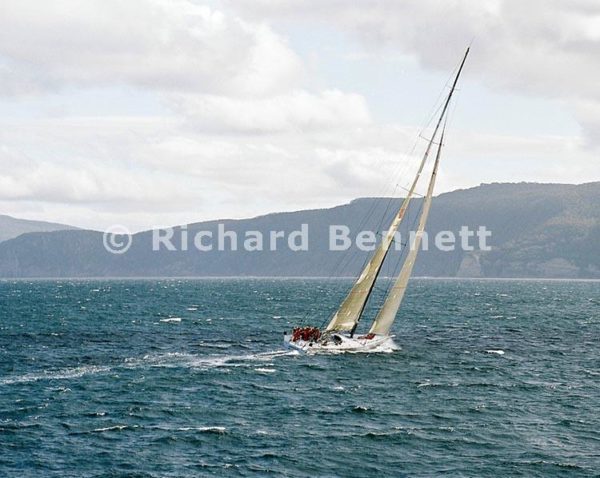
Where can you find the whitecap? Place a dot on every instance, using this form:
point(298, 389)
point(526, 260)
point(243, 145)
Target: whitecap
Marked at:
point(97, 414)
point(219, 430)
point(215, 345)
point(265, 370)
point(109, 429)
point(446, 429)
point(497, 352)
point(171, 319)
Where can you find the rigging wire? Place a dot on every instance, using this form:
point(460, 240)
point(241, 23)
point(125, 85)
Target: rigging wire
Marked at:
point(447, 121)
point(347, 256)
point(449, 112)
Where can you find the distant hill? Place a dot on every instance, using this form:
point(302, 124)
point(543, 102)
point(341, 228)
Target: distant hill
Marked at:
point(538, 230)
point(11, 227)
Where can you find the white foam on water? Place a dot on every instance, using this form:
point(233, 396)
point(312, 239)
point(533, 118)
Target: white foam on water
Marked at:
point(61, 374)
point(177, 359)
point(220, 430)
point(265, 370)
point(497, 352)
point(171, 319)
point(171, 359)
point(113, 428)
point(446, 429)
point(234, 360)
point(215, 345)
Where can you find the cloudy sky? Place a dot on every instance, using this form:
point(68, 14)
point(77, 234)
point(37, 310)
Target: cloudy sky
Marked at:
point(156, 112)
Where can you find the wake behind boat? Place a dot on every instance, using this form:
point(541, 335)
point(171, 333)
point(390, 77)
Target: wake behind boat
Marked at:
point(339, 335)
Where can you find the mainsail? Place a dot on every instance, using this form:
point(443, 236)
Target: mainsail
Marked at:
point(385, 318)
point(351, 309)
point(348, 315)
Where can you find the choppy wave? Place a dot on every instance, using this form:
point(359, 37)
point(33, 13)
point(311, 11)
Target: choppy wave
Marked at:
point(198, 398)
point(219, 430)
point(111, 428)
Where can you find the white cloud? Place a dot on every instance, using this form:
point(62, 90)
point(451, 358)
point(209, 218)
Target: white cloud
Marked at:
point(295, 111)
point(549, 47)
point(544, 48)
point(141, 172)
point(171, 45)
point(219, 75)
point(115, 166)
point(74, 180)
point(216, 69)
point(242, 133)
point(588, 116)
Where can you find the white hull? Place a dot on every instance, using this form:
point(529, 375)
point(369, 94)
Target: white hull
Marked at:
point(343, 343)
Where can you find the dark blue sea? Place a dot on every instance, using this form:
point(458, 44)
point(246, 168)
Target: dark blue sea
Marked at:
point(186, 378)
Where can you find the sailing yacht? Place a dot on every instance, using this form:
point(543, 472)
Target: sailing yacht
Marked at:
point(339, 335)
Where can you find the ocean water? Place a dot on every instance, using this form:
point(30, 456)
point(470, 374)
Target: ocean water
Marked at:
point(182, 378)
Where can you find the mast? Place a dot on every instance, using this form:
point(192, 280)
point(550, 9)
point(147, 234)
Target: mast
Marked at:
point(349, 314)
point(350, 311)
point(387, 314)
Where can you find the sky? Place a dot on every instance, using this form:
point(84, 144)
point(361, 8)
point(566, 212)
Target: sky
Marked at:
point(151, 113)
